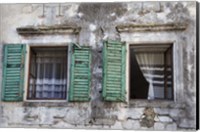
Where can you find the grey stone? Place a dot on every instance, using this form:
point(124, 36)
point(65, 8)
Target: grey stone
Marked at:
point(77, 117)
point(151, 6)
point(117, 125)
point(104, 121)
point(47, 118)
point(131, 124)
point(165, 119)
point(159, 126)
point(171, 127)
point(135, 113)
point(136, 125)
point(161, 111)
point(156, 118)
point(127, 124)
point(187, 123)
point(3, 122)
point(174, 112)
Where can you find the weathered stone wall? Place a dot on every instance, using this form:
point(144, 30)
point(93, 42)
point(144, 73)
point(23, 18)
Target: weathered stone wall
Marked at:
point(98, 22)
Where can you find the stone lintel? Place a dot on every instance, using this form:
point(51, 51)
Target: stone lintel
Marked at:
point(42, 30)
point(150, 27)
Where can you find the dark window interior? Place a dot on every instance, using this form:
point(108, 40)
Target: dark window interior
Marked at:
point(161, 75)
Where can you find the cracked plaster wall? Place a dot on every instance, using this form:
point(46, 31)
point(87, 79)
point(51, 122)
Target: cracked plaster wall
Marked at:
point(98, 22)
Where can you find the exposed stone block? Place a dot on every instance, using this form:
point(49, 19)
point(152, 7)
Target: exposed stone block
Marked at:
point(159, 126)
point(3, 122)
point(174, 112)
point(131, 124)
point(77, 117)
point(117, 125)
point(165, 119)
point(135, 113)
point(161, 111)
point(186, 123)
point(171, 127)
point(136, 125)
point(104, 121)
point(156, 118)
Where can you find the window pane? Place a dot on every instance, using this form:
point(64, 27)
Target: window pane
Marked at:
point(50, 75)
point(151, 71)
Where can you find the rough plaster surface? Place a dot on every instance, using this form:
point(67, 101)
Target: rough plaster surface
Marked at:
point(98, 22)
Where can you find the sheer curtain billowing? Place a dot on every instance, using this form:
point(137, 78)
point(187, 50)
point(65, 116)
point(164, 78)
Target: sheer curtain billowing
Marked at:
point(149, 64)
point(50, 80)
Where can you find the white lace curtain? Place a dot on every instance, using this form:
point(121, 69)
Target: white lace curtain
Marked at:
point(152, 66)
point(50, 79)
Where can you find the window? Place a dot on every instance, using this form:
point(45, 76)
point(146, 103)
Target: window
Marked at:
point(45, 70)
point(151, 71)
point(48, 73)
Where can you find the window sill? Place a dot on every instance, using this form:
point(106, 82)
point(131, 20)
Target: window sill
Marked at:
point(50, 103)
point(45, 104)
point(155, 103)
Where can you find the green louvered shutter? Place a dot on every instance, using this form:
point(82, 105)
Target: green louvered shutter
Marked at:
point(114, 66)
point(80, 74)
point(13, 72)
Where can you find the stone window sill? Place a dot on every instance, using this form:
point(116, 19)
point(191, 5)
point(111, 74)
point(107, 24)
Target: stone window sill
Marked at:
point(51, 104)
point(155, 103)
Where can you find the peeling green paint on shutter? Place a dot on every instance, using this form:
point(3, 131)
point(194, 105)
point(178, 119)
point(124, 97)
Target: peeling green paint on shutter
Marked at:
point(114, 68)
point(80, 76)
point(13, 72)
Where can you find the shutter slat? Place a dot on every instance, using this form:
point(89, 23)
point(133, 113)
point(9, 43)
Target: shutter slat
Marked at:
point(114, 45)
point(114, 57)
point(81, 68)
point(80, 74)
point(116, 83)
point(113, 88)
point(113, 85)
point(11, 93)
point(114, 93)
point(81, 51)
point(14, 54)
point(81, 57)
point(114, 66)
point(14, 60)
point(113, 76)
point(114, 48)
point(84, 86)
point(14, 57)
point(82, 60)
point(114, 71)
point(13, 72)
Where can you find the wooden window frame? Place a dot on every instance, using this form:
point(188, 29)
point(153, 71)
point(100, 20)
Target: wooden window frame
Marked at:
point(27, 71)
point(129, 68)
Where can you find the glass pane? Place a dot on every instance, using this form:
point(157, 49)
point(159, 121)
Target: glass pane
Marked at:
point(155, 67)
point(50, 82)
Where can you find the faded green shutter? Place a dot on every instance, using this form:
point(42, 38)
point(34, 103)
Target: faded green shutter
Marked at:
point(13, 72)
point(114, 66)
point(80, 74)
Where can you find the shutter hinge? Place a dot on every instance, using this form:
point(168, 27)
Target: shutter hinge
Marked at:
point(77, 45)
